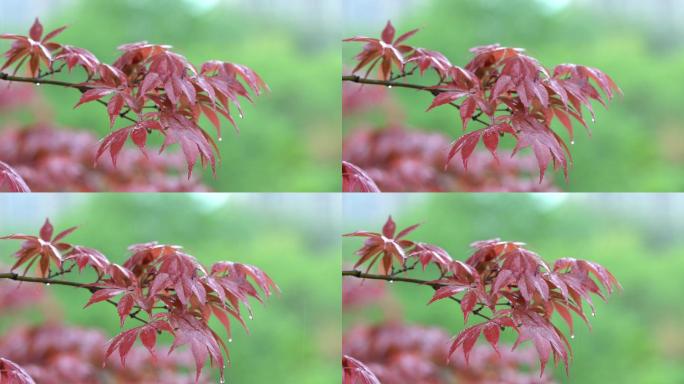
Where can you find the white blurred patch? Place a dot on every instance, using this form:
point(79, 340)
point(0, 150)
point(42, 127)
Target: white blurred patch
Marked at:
point(553, 6)
point(210, 201)
point(201, 6)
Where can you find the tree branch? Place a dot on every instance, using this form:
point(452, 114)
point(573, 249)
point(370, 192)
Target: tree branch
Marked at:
point(51, 281)
point(40, 80)
point(392, 278)
point(392, 83)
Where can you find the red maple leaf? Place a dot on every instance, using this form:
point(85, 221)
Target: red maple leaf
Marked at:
point(35, 48)
point(387, 51)
point(43, 248)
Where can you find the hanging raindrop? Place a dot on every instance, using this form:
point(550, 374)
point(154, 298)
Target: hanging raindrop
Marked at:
point(571, 143)
point(37, 84)
point(572, 336)
point(391, 281)
point(593, 313)
point(389, 86)
point(220, 138)
point(47, 284)
point(230, 340)
point(241, 115)
point(251, 317)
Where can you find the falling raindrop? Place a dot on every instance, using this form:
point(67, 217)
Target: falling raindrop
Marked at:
point(572, 336)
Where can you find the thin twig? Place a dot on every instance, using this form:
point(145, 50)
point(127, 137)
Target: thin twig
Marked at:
point(392, 278)
point(51, 72)
point(52, 281)
point(392, 83)
point(33, 80)
point(40, 80)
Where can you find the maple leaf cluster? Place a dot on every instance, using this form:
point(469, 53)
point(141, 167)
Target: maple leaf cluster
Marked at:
point(12, 373)
point(49, 159)
point(46, 158)
point(355, 372)
point(11, 180)
point(162, 88)
point(517, 94)
point(516, 285)
point(355, 179)
point(396, 159)
point(172, 288)
point(395, 353)
point(55, 354)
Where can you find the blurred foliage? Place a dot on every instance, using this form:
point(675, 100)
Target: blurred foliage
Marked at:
point(636, 337)
point(294, 337)
point(636, 145)
point(289, 139)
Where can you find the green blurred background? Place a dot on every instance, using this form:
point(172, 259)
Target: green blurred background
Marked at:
point(636, 145)
point(289, 139)
point(294, 337)
point(637, 337)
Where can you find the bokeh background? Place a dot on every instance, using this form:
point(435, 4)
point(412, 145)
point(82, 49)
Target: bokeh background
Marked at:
point(637, 337)
point(636, 145)
point(294, 337)
point(289, 139)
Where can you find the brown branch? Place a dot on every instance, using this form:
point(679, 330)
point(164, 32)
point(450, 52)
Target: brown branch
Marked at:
point(392, 83)
point(51, 281)
point(391, 278)
point(39, 80)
